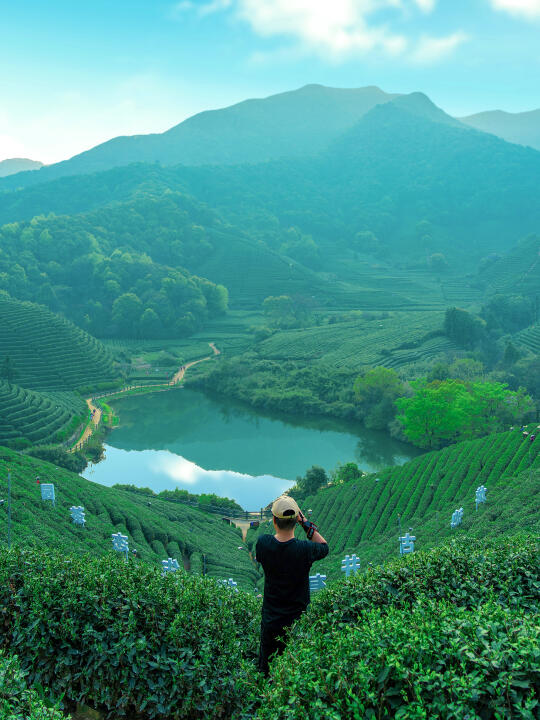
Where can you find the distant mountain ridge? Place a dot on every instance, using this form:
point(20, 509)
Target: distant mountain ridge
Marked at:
point(521, 128)
point(291, 124)
point(11, 166)
point(297, 123)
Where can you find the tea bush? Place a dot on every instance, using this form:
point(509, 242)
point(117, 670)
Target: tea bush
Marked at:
point(450, 633)
point(124, 639)
point(437, 660)
point(464, 572)
point(17, 700)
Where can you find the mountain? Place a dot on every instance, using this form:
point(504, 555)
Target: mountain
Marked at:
point(296, 123)
point(16, 165)
point(403, 183)
point(521, 128)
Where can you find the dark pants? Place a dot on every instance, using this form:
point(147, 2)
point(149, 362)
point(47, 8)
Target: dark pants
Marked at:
point(272, 641)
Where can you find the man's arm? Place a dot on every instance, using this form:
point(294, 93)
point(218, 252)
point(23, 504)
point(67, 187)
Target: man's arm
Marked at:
point(316, 537)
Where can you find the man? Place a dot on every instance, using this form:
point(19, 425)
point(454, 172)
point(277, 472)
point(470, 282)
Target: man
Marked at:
point(286, 563)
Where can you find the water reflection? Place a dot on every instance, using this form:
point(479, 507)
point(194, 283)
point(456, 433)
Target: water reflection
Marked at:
point(188, 439)
point(162, 470)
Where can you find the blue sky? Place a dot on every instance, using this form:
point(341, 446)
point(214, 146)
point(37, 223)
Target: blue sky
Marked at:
point(74, 74)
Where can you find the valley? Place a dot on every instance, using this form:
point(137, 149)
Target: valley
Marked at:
point(331, 293)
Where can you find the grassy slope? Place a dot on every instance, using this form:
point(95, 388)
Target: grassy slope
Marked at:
point(157, 531)
point(361, 516)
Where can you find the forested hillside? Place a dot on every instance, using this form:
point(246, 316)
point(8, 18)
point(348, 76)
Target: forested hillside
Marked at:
point(406, 177)
point(117, 272)
point(11, 166)
point(521, 127)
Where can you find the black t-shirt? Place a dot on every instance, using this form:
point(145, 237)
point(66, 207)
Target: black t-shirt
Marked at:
point(286, 576)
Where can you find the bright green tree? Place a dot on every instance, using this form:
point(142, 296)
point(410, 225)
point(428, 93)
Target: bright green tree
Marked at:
point(451, 410)
point(437, 413)
point(150, 324)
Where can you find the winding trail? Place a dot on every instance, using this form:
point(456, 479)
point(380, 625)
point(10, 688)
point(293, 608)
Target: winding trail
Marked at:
point(177, 377)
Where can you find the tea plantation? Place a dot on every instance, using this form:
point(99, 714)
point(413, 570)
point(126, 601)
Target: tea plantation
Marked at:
point(48, 352)
point(156, 529)
point(361, 516)
point(32, 417)
point(353, 343)
point(450, 633)
point(518, 271)
point(530, 338)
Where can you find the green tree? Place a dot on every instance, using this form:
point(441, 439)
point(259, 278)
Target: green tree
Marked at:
point(126, 311)
point(462, 327)
point(465, 369)
point(438, 413)
point(508, 313)
point(279, 309)
point(314, 478)
point(451, 410)
point(150, 324)
point(348, 472)
point(376, 391)
point(511, 354)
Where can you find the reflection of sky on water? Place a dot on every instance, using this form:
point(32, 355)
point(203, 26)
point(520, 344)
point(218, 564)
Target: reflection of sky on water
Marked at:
point(201, 443)
point(162, 470)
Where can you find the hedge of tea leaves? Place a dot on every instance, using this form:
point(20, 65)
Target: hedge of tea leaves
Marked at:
point(126, 640)
point(451, 633)
point(19, 701)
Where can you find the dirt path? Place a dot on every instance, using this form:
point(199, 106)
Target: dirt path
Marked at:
point(92, 425)
point(244, 527)
point(182, 371)
point(178, 376)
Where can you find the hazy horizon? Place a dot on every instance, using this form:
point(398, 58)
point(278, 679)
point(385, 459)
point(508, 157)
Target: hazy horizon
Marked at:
point(80, 76)
point(498, 109)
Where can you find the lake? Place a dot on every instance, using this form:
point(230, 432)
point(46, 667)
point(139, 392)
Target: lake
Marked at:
point(201, 443)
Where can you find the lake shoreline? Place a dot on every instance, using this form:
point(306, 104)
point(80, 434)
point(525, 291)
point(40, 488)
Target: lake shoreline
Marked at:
point(206, 443)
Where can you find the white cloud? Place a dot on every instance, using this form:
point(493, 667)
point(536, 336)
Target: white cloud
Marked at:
point(334, 29)
point(525, 8)
point(425, 5)
point(432, 49)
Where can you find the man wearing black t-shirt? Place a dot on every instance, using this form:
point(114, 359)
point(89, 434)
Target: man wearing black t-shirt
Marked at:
point(286, 563)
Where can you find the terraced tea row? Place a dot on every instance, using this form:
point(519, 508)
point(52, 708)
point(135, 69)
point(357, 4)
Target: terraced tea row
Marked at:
point(31, 417)
point(351, 344)
point(361, 516)
point(157, 529)
point(530, 337)
point(48, 352)
point(518, 271)
point(426, 350)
